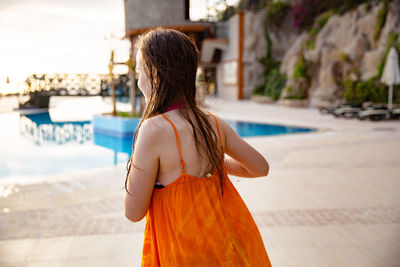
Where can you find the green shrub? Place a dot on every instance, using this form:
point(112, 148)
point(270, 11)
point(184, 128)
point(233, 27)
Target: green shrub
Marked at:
point(300, 70)
point(267, 61)
point(276, 11)
point(381, 64)
point(263, 3)
point(354, 91)
point(392, 38)
point(275, 81)
point(268, 64)
point(313, 32)
point(304, 12)
point(392, 41)
point(368, 6)
point(381, 19)
point(370, 90)
point(295, 93)
point(301, 79)
point(230, 10)
point(298, 97)
point(259, 90)
point(324, 17)
point(127, 114)
point(226, 14)
point(344, 57)
point(310, 44)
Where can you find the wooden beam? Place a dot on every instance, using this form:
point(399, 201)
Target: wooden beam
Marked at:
point(132, 76)
point(240, 55)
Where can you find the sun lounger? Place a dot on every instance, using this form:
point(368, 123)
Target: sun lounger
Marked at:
point(379, 114)
point(367, 110)
point(347, 112)
point(331, 109)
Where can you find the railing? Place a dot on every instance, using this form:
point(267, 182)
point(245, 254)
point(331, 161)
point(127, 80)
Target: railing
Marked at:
point(77, 84)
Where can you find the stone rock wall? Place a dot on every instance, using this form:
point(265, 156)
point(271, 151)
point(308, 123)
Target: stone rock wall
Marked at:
point(350, 35)
point(254, 47)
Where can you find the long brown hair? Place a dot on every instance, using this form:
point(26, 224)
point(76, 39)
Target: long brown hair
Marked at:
point(170, 61)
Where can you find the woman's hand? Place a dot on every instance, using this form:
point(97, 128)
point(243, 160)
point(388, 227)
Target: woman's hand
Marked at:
point(244, 160)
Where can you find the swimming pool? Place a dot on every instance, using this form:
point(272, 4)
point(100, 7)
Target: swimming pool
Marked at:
point(34, 144)
point(249, 129)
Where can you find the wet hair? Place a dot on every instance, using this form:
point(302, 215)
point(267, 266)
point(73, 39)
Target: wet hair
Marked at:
point(170, 61)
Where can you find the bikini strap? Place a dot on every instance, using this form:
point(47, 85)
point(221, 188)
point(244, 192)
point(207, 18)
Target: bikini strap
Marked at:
point(219, 132)
point(178, 142)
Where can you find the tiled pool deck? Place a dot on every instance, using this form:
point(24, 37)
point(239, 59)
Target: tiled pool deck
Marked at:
point(332, 198)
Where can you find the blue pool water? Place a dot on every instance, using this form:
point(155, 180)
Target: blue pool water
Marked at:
point(248, 129)
point(34, 144)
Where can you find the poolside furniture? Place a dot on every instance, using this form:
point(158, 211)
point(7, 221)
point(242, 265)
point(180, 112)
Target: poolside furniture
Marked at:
point(346, 112)
point(379, 114)
point(391, 73)
point(363, 111)
point(344, 109)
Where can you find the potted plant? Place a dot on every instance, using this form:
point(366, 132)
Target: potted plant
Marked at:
point(296, 93)
point(118, 124)
point(295, 97)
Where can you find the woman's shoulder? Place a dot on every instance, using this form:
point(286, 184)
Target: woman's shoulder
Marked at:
point(218, 120)
point(159, 125)
point(152, 128)
point(155, 125)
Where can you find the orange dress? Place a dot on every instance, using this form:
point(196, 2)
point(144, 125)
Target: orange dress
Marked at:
point(190, 223)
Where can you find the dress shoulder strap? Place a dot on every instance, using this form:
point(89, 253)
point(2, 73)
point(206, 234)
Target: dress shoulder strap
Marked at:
point(219, 132)
point(178, 142)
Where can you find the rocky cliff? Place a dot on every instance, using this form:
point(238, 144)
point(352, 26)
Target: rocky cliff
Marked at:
point(344, 46)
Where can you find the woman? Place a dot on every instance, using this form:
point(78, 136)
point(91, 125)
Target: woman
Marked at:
point(177, 175)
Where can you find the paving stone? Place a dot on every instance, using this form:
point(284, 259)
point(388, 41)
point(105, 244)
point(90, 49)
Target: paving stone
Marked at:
point(331, 198)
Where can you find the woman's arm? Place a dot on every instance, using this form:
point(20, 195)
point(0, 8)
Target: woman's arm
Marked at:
point(142, 176)
point(244, 160)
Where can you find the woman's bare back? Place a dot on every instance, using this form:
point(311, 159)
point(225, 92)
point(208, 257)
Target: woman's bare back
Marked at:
point(196, 162)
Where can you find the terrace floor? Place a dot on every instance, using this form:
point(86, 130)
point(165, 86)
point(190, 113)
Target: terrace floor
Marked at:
point(332, 198)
